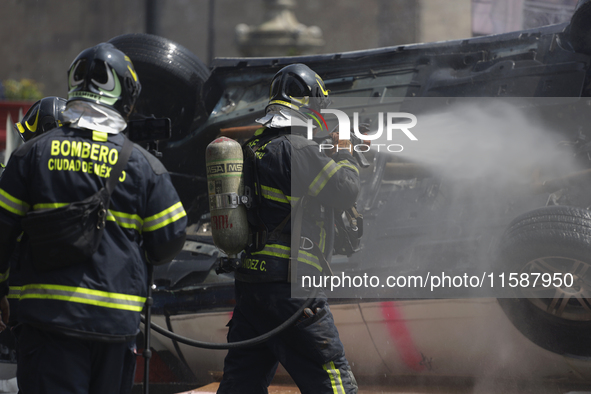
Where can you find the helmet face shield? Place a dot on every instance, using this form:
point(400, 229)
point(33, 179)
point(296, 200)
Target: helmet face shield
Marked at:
point(275, 90)
point(295, 89)
point(98, 82)
point(104, 75)
point(101, 76)
point(77, 73)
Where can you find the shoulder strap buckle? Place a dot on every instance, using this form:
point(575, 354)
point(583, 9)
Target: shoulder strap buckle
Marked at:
point(306, 243)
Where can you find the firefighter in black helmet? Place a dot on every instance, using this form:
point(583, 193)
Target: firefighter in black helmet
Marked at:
point(44, 115)
point(79, 322)
point(289, 168)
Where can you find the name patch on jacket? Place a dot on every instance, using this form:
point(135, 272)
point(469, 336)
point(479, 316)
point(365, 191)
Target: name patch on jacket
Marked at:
point(83, 156)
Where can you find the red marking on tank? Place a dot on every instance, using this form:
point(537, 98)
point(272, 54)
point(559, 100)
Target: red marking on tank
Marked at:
point(399, 332)
point(220, 222)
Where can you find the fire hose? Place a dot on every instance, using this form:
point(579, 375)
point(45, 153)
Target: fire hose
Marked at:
point(206, 345)
point(233, 345)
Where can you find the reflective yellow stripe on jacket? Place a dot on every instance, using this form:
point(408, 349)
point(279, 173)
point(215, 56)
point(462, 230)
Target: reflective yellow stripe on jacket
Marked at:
point(12, 204)
point(326, 173)
point(133, 221)
point(165, 217)
point(126, 220)
point(275, 250)
point(14, 292)
point(83, 296)
point(271, 193)
point(284, 252)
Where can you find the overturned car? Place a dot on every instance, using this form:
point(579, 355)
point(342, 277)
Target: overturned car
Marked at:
point(496, 186)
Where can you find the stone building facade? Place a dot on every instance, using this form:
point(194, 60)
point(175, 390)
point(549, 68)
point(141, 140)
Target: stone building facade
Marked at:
point(40, 38)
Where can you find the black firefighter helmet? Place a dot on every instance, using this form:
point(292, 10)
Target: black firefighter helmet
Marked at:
point(104, 75)
point(44, 115)
point(298, 87)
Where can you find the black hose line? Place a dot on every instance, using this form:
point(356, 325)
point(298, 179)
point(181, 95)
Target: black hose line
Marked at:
point(232, 345)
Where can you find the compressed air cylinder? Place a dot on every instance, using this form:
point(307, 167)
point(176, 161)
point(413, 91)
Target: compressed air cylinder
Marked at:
point(229, 223)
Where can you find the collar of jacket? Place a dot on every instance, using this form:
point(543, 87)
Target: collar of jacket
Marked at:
point(278, 116)
point(85, 115)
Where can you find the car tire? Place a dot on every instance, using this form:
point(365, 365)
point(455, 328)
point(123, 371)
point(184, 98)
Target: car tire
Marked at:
point(172, 80)
point(552, 240)
point(578, 29)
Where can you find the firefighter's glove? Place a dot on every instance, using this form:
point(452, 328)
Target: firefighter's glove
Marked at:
point(349, 145)
point(307, 314)
point(341, 144)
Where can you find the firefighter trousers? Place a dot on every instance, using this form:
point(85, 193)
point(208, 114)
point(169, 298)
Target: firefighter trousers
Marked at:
point(310, 351)
point(49, 362)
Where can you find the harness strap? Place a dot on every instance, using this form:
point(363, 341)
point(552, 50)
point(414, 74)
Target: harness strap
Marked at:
point(296, 232)
point(303, 243)
point(262, 236)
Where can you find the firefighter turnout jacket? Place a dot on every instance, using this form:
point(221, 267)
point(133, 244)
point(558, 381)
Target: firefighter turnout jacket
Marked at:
point(101, 298)
point(288, 167)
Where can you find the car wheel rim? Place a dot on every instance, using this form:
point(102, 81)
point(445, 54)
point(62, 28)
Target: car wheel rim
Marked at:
point(571, 300)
